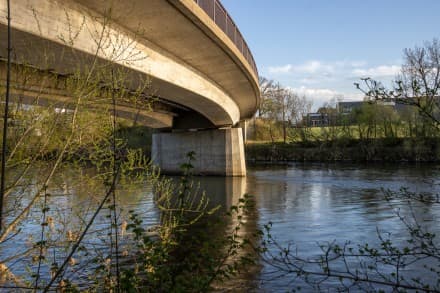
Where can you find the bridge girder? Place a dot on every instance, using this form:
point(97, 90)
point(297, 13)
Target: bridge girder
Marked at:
point(64, 36)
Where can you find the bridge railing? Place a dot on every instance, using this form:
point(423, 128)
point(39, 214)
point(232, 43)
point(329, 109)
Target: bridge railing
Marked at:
point(220, 16)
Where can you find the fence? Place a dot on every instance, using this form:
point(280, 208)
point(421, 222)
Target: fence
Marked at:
point(220, 16)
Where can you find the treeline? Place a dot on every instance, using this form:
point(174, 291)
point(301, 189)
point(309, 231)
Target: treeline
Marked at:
point(401, 123)
point(381, 133)
point(280, 109)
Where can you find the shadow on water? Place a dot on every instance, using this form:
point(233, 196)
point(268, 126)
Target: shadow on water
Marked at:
point(74, 195)
point(308, 203)
point(213, 232)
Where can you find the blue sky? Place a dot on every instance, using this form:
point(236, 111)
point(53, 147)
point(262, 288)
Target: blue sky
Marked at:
point(321, 47)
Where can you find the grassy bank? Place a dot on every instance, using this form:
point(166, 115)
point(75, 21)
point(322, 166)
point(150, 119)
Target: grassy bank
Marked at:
point(386, 150)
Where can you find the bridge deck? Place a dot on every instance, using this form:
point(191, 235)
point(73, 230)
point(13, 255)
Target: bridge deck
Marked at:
point(189, 57)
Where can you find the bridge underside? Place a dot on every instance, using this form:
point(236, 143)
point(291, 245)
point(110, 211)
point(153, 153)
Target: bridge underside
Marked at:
point(217, 151)
point(56, 63)
point(193, 87)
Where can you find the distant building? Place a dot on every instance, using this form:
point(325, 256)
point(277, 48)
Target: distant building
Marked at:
point(349, 107)
point(317, 119)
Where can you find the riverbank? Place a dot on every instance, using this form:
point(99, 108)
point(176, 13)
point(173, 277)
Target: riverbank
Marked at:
point(373, 150)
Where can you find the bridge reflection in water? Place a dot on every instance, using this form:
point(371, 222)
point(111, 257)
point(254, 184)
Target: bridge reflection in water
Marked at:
point(74, 197)
point(220, 191)
point(227, 192)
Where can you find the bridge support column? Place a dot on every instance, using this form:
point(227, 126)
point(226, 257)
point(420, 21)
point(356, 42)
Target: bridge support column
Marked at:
point(218, 152)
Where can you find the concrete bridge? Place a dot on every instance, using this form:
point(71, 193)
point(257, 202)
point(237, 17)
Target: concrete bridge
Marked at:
point(202, 71)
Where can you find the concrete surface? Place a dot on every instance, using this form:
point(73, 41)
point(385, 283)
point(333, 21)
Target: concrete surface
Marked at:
point(189, 59)
point(218, 152)
point(174, 44)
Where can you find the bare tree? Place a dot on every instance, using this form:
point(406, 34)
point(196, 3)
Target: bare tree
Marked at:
point(417, 85)
point(267, 87)
point(383, 267)
point(281, 107)
point(293, 109)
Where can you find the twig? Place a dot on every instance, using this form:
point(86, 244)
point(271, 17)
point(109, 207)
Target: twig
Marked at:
point(5, 117)
point(78, 242)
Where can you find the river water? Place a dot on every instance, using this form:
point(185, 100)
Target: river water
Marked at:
point(308, 204)
point(311, 204)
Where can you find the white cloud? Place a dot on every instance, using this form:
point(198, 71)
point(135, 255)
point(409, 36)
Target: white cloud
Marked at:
point(358, 63)
point(321, 81)
point(325, 93)
point(307, 80)
point(280, 69)
point(315, 92)
point(319, 96)
point(379, 71)
point(316, 67)
point(309, 67)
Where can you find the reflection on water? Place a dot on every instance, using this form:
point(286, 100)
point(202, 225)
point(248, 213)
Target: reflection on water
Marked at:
point(307, 203)
point(319, 203)
point(222, 191)
point(73, 197)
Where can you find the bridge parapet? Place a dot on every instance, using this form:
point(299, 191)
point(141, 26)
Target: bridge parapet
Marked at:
point(215, 10)
point(191, 50)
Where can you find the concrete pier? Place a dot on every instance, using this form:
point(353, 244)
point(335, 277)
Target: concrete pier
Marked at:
point(218, 152)
point(202, 73)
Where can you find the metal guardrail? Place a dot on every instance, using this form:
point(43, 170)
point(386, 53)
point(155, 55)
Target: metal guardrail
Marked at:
point(220, 16)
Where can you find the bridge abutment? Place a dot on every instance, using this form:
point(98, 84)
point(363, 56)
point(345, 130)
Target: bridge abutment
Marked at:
point(217, 152)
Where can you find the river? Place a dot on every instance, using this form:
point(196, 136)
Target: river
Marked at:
point(308, 204)
point(311, 204)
